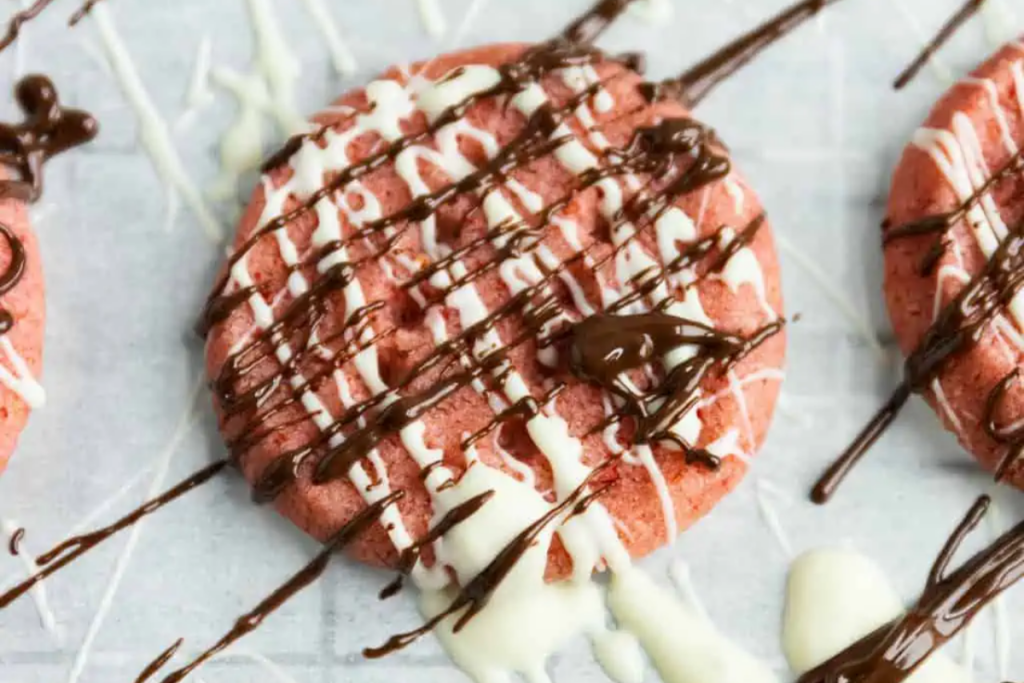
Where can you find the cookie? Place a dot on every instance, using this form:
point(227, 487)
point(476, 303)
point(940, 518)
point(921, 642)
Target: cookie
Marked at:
point(444, 294)
point(956, 197)
point(22, 316)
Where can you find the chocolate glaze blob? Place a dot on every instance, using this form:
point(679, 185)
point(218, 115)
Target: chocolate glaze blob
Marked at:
point(48, 130)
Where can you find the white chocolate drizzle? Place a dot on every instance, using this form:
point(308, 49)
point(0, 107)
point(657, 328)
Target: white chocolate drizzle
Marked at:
point(154, 133)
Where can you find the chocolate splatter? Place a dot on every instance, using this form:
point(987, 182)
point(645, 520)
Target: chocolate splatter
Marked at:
point(950, 601)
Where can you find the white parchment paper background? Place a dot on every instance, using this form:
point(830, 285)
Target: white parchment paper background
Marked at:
point(813, 123)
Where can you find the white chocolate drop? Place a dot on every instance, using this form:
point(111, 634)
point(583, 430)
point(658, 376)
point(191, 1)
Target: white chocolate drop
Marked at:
point(836, 597)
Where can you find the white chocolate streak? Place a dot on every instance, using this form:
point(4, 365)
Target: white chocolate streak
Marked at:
point(835, 598)
point(683, 646)
point(185, 423)
point(198, 94)
point(268, 90)
point(432, 17)
point(18, 377)
point(342, 59)
point(38, 592)
point(154, 134)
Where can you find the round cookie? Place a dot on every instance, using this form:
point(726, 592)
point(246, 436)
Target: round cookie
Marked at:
point(957, 182)
point(21, 347)
point(269, 414)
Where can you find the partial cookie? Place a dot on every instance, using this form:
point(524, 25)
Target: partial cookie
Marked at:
point(22, 315)
point(957, 194)
point(297, 302)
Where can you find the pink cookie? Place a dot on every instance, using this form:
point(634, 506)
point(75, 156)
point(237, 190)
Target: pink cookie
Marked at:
point(960, 169)
point(269, 426)
point(21, 348)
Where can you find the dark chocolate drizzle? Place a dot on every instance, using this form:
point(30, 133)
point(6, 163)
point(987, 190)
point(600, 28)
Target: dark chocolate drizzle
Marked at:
point(14, 546)
point(948, 30)
point(19, 19)
point(940, 224)
point(409, 557)
point(48, 130)
point(589, 27)
point(1011, 439)
point(950, 601)
point(699, 80)
point(959, 325)
point(301, 580)
point(654, 150)
point(605, 347)
point(82, 11)
point(474, 596)
point(71, 549)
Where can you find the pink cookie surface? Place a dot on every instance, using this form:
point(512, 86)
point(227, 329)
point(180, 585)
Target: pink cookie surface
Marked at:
point(26, 305)
point(972, 133)
point(736, 409)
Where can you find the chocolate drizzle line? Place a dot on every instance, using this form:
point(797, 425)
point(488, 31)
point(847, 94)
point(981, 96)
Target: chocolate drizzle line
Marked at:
point(82, 11)
point(1012, 439)
point(48, 130)
point(410, 556)
point(19, 19)
point(959, 326)
point(589, 27)
point(70, 550)
point(252, 620)
point(474, 596)
point(160, 661)
point(939, 224)
point(12, 275)
point(14, 545)
point(950, 601)
point(700, 79)
point(948, 30)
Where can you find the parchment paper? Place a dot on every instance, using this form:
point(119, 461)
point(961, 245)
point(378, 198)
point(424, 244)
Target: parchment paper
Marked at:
point(813, 123)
